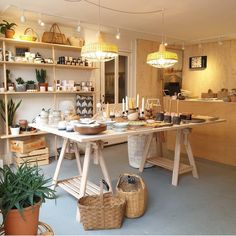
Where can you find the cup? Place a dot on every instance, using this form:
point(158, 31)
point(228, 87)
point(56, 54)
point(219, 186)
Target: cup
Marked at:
point(50, 89)
point(160, 116)
point(42, 89)
point(11, 88)
point(176, 120)
point(2, 90)
point(167, 118)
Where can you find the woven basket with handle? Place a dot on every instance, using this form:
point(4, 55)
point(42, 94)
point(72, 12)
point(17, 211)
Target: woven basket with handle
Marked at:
point(103, 211)
point(29, 35)
point(133, 190)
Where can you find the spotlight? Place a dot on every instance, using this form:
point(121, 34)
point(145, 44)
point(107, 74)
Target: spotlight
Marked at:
point(183, 46)
point(22, 17)
point(166, 44)
point(199, 45)
point(40, 22)
point(118, 34)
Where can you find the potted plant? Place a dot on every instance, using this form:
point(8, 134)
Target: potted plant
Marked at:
point(11, 108)
point(41, 78)
point(22, 191)
point(21, 85)
point(30, 85)
point(7, 29)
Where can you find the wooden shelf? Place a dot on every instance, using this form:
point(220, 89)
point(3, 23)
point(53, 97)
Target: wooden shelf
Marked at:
point(39, 44)
point(61, 92)
point(72, 186)
point(23, 135)
point(169, 164)
point(14, 63)
point(75, 67)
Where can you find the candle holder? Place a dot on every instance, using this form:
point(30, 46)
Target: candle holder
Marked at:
point(141, 116)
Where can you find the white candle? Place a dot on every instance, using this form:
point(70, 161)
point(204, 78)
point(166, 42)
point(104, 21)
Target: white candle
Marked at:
point(137, 101)
point(126, 103)
point(143, 104)
point(123, 105)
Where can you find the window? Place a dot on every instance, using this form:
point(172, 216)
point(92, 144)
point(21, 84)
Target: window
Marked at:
point(116, 75)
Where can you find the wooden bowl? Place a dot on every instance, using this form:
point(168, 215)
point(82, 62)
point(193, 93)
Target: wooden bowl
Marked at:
point(90, 130)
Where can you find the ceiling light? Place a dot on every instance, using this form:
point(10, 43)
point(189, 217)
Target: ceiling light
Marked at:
point(78, 29)
point(162, 58)
point(199, 45)
point(40, 22)
point(100, 51)
point(183, 47)
point(118, 34)
point(22, 17)
point(166, 44)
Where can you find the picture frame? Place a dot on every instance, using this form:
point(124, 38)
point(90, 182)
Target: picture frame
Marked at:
point(198, 62)
point(20, 51)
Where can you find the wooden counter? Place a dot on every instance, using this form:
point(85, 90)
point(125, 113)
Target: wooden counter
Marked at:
point(216, 142)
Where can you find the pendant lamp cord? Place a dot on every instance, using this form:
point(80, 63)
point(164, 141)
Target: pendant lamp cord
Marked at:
point(99, 15)
point(162, 22)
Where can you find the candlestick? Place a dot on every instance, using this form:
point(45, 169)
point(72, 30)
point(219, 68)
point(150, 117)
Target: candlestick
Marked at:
point(126, 103)
point(143, 104)
point(137, 101)
point(123, 105)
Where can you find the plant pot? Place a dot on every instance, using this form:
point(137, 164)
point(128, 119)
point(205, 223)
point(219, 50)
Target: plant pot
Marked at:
point(28, 225)
point(43, 85)
point(15, 130)
point(30, 86)
point(9, 33)
point(20, 87)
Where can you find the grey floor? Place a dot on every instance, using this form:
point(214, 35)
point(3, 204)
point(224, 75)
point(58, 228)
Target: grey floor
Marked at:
point(204, 206)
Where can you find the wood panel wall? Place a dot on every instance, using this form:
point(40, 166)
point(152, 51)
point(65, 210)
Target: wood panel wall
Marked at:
point(220, 71)
point(148, 83)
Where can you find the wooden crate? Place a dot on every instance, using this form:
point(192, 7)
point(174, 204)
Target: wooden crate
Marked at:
point(28, 145)
point(38, 157)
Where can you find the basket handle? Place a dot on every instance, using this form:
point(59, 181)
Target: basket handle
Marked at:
point(103, 182)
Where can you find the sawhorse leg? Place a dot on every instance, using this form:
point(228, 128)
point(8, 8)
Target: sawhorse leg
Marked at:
point(175, 174)
point(58, 167)
point(188, 149)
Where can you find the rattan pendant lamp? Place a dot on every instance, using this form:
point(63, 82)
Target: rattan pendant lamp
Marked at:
point(162, 58)
point(100, 51)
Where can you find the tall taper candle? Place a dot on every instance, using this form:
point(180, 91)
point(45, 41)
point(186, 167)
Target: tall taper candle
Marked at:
point(126, 103)
point(143, 104)
point(123, 105)
point(137, 101)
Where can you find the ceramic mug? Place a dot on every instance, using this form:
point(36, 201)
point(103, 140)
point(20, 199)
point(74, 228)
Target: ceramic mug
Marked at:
point(2, 90)
point(11, 88)
point(42, 89)
point(160, 116)
point(167, 118)
point(176, 120)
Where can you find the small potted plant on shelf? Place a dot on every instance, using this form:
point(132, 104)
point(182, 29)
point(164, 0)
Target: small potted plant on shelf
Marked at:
point(41, 78)
point(22, 191)
point(21, 85)
point(30, 85)
point(7, 29)
point(11, 109)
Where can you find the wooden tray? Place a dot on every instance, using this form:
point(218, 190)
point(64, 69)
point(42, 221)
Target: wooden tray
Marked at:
point(91, 130)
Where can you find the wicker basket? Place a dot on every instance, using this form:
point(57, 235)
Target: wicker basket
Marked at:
point(132, 188)
point(103, 211)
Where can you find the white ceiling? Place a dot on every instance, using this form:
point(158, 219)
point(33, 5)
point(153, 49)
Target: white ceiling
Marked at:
point(185, 20)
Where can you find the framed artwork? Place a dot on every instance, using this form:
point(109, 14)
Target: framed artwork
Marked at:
point(198, 62)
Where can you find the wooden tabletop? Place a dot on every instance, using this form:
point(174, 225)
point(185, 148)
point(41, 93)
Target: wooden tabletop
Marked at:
point(110, 134)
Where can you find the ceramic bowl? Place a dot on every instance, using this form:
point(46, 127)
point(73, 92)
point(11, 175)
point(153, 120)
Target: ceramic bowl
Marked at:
point(133, 116)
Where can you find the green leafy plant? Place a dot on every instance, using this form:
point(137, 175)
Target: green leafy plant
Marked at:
point(23, 187)
point(30, 82)
point(6, 26)
point(11, 108)
point(41, 75)
point(19, 80)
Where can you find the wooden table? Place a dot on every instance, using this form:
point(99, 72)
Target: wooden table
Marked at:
point(78, 186)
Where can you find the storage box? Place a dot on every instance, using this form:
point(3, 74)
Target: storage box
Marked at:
point(28, 145)
point(38, 157)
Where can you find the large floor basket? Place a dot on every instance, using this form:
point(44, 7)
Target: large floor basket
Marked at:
point(103, 211)
point(133, 190)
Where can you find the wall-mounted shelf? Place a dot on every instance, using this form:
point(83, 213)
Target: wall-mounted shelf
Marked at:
point(9, 136)
point(38, 44)
point(56, 92)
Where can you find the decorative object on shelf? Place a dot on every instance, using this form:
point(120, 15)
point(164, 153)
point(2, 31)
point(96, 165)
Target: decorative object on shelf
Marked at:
point(162, 58)
point(21, 198)
point(101, 212)
point(29, 35)
point(23, 125)
point(54, 35)
point(11, 108)
point(100, 51)
point(9, 81)
point(20, 85)
point(233, 95)
point(30, 85)
point(133, 190)
point(7, 29)
point(198, 62)
point(41, 78)
point(76, 42)
point(15, 129)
